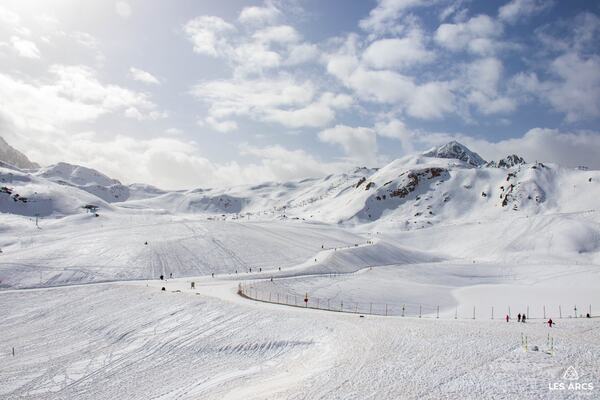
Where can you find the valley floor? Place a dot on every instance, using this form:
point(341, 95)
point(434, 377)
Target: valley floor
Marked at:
point(128, 339)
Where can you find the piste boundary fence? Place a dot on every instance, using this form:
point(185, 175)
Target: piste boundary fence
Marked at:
point(261, 291)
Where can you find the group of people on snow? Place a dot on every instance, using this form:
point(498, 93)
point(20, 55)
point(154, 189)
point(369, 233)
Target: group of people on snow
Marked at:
point(523, 318)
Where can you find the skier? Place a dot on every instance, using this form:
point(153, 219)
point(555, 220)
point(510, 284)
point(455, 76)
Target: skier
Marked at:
point(146, 243)
point(519, 317)
point(213, 274)
point(523, 318)
point(171, 275)
point(260, 269)
point(161, 277)
point(507, 318)
point(550, 323)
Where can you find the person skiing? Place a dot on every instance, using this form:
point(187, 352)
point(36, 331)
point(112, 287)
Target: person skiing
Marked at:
point(550, 322)
point(523, 318)
point(519, 317)
point(213, 274)
point(171, 275)
point(161, 277)
point(507, 318)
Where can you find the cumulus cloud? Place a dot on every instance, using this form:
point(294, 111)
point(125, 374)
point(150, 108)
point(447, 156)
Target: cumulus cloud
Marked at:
point(396, 129)
point(25, 48)
point(483, 77)
point(383, 17)
point(72, 94)
point(573, 89)
point(515, 10)
point(209, 34)
point(123, 9)
point(426, 101)
point(570, 149)
point(256, 15)
point(359, 143)
point(221, 126)
point(479, 35)
point(281, 100)
point(143, 76)
point(398, 52)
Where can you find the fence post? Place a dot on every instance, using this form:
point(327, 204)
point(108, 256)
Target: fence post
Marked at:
point(559, 311)
point(438, 312)
point(419, 311)
point(544, 311)
point(473, 312)
point(590, 312)
point(492, 312)
point(509, 312)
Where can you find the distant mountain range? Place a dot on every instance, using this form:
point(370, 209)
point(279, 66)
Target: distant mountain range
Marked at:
point(9, 156)
point(443, 184)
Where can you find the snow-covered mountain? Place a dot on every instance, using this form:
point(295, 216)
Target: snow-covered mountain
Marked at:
point(13, 157)
point(455, 150)
point(439, 186)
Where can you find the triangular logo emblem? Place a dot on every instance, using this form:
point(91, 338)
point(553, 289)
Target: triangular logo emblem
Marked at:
point(571, 374)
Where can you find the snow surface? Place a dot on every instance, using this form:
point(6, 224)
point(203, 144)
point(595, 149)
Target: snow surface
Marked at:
point(83, 308)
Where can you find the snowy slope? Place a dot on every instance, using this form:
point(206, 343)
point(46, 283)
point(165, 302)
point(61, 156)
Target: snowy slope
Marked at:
point(14, 157)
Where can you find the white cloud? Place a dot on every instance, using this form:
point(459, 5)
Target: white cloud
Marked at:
point(483, 77)
point(383, 17)
point(396, 129)
point(398, 52)
point(569, 149)
point(143, 76)
point(282, 100)
point(302, 53)
point(515, 10)
point(431, 100)
point(358, 143)
point(426, 101)
point(277, 34)
point(25, 48)
point(478, 35)
point(575, 89)
point(255, 15)
point(72, 94)
point(123, 9)
point(209, 34)
point(221, 126)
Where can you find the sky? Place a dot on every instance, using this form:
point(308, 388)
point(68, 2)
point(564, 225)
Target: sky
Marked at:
point(184, 93)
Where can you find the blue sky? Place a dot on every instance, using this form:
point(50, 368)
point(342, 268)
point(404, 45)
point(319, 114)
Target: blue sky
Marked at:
point(188, 93)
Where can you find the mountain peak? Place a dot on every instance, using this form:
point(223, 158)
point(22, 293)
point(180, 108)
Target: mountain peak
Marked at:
point(507, 162)
point(14, 157)
point(456, 150)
